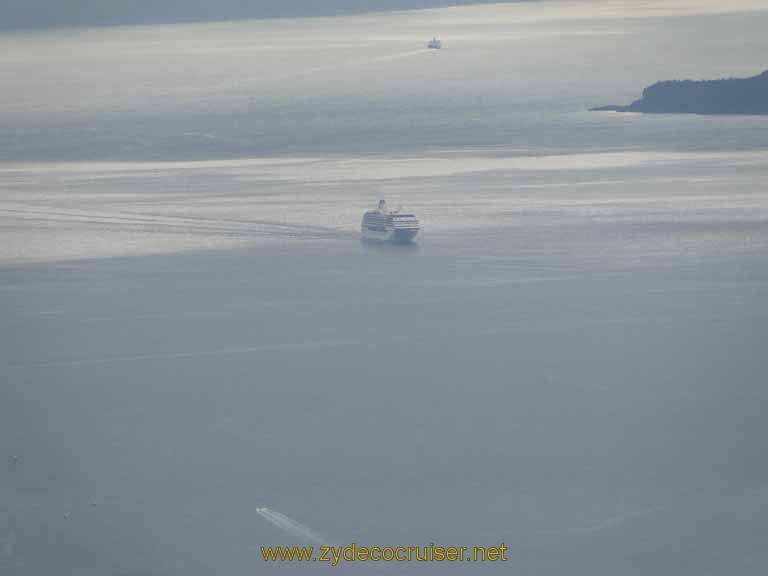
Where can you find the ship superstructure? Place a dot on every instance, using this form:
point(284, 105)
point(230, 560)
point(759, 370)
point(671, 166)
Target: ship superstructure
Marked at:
point(384, 225)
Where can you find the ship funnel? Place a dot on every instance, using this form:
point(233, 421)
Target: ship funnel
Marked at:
point(383, 207)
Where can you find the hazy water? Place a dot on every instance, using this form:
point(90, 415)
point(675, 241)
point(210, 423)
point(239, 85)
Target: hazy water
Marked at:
point(570, 361)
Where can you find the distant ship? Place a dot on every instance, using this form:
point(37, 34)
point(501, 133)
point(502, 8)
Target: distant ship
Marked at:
point(383, 225)
point(435, 43)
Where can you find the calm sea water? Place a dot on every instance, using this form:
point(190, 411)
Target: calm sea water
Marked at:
point(570, 361)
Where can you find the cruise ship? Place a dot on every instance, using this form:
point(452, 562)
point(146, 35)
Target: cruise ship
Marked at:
point(383, 225)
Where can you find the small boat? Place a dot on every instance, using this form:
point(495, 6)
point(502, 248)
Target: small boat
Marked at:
point(435, 43)
point(383, 225)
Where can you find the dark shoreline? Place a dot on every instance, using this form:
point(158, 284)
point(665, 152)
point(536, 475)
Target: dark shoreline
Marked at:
point(735, 96)
point(35, 15)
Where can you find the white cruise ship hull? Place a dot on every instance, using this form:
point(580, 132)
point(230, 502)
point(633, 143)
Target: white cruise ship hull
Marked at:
point(382, 225)
point(393, 236)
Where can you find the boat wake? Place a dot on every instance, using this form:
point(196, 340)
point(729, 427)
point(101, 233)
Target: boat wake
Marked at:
point(291, 526)
point(401, 55)
point(149, 223)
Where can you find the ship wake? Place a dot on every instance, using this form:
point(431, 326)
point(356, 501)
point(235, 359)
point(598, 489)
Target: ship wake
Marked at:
point(291, 526)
